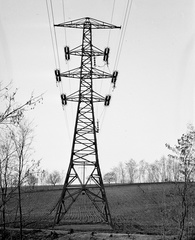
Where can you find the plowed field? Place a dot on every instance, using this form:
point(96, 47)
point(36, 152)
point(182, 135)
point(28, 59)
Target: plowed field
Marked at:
point(135, 208)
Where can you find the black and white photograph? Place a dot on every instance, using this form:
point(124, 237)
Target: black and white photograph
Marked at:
point(97, 119)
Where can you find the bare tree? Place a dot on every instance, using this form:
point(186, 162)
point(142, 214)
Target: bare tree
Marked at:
point(159, 170)
point(131, 169)
point(16, 164)
point(115, 170)
point(184, 153)
point(12, 112)
point(22, 137)
point(11, 146)
point(151, 173)
point(110, 177)
point(6, 167)
point(121, 170)
point(42, 176)
point(54, 178)
point(32, 180)
point(142, 170)
point(175, 168)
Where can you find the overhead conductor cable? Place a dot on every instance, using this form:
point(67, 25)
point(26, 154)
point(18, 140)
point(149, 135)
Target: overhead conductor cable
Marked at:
point(125, 22)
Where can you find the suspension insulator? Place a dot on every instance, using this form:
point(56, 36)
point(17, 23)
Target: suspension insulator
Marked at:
point(106, 54)
point(94, 61)
point(64, 99)
point(107, 100)
point(67, 53)
point(114, 77)
point(58, 77)
point(98, 128)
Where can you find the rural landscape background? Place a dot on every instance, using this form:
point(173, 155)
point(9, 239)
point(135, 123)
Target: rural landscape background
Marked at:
point(147, 136)
point(160, 203)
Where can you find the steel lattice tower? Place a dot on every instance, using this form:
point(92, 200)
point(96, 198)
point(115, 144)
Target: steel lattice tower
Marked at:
point(84, 179)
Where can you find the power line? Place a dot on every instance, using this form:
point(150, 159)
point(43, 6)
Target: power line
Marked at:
point(63, 9)
point(112, 14)
point(111, 21)
point(67, 124)
point(123, 32)
point(52, 40)
point(56, 42)
point(55, 52)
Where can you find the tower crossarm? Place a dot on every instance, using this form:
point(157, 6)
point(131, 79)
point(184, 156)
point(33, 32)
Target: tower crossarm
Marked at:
point(78, 51)
point(93, 24)
point(97, 97)
point(74, 97)
point(98, 74)
point(94, 73)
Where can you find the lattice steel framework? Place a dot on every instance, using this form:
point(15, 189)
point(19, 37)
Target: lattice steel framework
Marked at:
point(84, 176)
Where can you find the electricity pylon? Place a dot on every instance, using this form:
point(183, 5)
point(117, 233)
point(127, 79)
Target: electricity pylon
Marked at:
point(84, 177)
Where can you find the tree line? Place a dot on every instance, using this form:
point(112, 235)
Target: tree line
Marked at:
point(164, 170)
point(172, 168)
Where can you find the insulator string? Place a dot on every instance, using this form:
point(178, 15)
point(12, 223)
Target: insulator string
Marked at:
point(66, 42)
point(112, 14)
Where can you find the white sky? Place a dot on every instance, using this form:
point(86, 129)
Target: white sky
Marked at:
point(154, 98)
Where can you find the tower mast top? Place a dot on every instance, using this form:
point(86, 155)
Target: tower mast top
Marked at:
point(93, 23)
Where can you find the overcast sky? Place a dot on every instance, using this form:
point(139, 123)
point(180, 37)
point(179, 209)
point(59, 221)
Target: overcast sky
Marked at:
point(154, 98)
